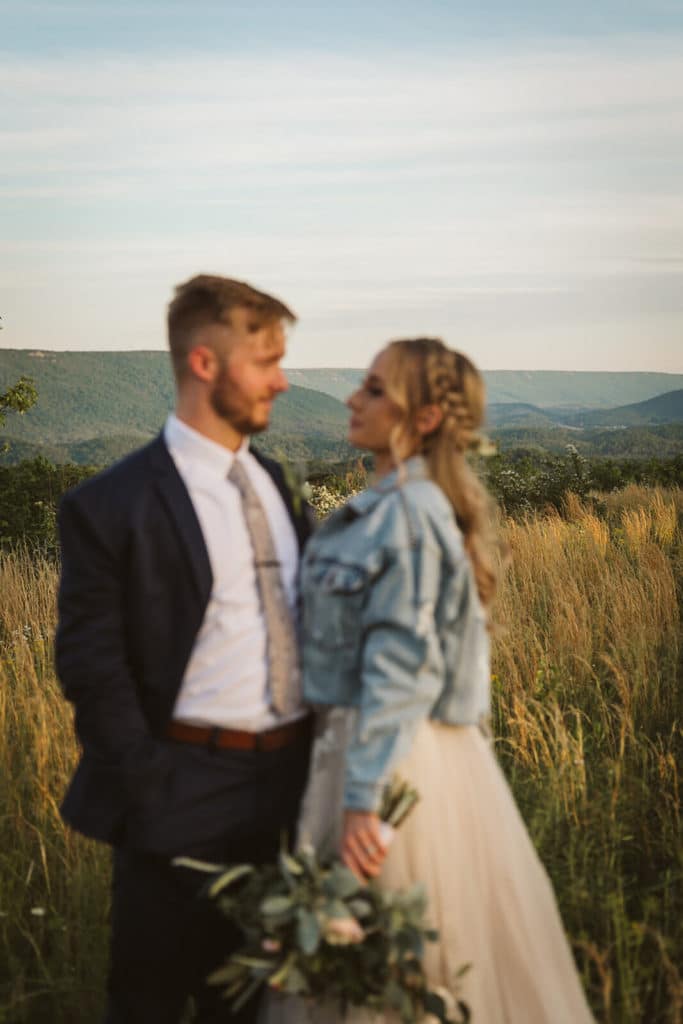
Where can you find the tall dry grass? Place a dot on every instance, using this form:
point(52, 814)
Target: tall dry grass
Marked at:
point(53, 884)
point(588, 715)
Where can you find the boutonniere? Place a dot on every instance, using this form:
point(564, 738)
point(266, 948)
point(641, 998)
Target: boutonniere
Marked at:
point(297, 484)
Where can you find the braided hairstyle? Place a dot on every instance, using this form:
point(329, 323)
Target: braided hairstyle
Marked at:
point(424, 372)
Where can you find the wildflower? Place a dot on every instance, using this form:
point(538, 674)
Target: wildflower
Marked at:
point(38, 911)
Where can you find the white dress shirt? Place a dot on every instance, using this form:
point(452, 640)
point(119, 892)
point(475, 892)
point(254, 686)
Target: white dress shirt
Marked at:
point(226, 680)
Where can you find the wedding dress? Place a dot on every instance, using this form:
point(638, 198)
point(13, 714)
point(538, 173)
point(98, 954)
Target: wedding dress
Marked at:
point(488, 893)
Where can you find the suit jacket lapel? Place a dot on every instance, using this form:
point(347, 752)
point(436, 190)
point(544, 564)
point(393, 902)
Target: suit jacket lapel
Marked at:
point(301, 524)
point(175, 497)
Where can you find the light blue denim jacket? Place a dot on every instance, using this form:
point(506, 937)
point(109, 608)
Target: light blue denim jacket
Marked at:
point(392, 623)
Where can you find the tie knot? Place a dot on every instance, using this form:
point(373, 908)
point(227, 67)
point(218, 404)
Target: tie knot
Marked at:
point(240, 478)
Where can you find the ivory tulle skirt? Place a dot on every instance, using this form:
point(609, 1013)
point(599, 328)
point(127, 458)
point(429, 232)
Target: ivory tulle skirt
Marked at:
point(488, 893)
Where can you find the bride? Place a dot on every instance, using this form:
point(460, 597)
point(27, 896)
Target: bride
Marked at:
point(397, 589)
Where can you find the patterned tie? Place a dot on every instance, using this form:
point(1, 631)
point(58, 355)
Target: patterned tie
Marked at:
point(281, 643)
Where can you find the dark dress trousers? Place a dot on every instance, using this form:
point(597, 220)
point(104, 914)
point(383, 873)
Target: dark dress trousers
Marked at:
point(135, 584)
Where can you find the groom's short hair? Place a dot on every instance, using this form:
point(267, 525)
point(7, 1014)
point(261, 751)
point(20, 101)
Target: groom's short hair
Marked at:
point(208, 299)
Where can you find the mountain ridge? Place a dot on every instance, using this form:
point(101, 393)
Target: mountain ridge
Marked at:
point(666, 408)
point(560, 389)
point(94, 406)
point(568, 390)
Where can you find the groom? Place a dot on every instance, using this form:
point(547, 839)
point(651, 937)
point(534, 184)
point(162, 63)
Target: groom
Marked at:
point(176, 644)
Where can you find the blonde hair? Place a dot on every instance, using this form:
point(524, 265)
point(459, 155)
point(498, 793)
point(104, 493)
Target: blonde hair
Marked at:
point(423, 371)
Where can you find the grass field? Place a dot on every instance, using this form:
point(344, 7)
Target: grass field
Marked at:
point(588, 711)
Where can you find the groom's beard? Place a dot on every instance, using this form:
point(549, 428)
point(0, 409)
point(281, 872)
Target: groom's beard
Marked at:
point(239, 411)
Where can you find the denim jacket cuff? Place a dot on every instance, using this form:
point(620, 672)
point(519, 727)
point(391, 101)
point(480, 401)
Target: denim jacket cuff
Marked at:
point(359, 796)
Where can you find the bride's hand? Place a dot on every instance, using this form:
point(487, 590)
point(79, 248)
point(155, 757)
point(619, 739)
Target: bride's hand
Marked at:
point(362, 849)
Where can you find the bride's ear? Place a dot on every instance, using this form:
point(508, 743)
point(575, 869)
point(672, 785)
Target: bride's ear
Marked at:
point(429, 418)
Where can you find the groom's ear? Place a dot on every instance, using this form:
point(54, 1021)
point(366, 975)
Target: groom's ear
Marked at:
point(202, 363)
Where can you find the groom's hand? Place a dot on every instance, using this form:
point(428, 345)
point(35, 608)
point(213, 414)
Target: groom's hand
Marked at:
point(362, 849)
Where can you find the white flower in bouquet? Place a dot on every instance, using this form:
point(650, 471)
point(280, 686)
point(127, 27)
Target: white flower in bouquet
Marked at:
point(342, 931)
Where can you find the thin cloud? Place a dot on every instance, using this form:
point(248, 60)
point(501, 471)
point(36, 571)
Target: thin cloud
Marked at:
point(467, 192)
point(196, 117)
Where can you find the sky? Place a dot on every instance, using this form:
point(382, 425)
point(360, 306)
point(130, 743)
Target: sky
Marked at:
point(507, 177)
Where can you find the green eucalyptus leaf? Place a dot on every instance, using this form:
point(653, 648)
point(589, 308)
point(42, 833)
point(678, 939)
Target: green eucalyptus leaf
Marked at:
point(235, 987)
point(342, 882)
point(259, 963)
point(295, 983)
point(228, 877)
point(197, 865)
point(277, 979)
point(248, 992)
point(226, 974)
point(307, 931)
point(308, 860)
point(291, 864)
point(274, 906)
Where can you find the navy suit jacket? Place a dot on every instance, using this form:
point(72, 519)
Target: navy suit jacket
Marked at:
point(135, 583)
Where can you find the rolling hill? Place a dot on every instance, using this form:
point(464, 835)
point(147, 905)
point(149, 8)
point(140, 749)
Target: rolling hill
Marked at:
point(93, 407)
point(549, 389)
point(516, 414)
point(114, 389)
point(667, 408)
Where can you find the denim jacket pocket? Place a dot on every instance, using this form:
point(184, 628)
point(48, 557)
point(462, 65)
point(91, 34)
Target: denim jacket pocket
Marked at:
point(332, 610)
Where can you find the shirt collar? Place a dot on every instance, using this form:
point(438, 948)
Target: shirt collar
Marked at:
point(189, 444)
point(414, 468)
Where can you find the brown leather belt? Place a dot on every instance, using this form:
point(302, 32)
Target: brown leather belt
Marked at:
point(216, 738)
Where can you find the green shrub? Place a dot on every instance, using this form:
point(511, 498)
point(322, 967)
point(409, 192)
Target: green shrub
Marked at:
point(29, 496)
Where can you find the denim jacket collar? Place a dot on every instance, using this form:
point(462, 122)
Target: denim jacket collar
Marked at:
point(414, 468)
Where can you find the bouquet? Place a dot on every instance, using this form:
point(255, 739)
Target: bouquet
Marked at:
point(315, 930)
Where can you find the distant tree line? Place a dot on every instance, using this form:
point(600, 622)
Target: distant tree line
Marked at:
point(524, 481)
